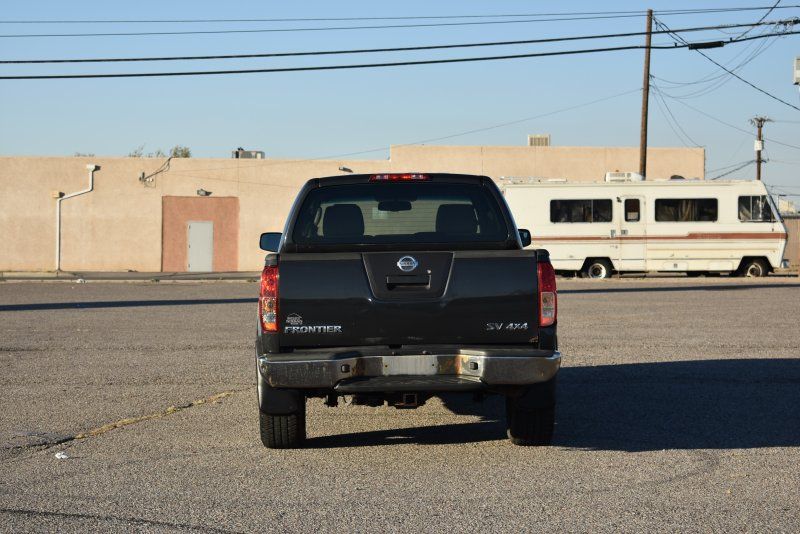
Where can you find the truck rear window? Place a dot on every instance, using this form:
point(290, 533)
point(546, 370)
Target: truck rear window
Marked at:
point(403, 213)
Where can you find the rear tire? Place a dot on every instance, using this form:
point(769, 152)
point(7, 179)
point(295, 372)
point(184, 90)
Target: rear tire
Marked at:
point(597, 269)
point(530, 428)
point(530, 419)
point(283, 431)
point(755, 268)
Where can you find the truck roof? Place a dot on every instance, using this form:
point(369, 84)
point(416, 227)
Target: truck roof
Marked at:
point(432, 177)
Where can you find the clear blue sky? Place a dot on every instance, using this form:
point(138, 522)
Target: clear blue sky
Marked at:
point(315, 114)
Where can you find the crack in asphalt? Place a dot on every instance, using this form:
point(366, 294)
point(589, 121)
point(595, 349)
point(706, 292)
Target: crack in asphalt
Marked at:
point(48, 441)
point(158, 415)
point(110, 518)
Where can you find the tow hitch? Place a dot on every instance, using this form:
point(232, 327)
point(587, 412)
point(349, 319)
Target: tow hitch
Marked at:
point(399, 400)
point(407, 400)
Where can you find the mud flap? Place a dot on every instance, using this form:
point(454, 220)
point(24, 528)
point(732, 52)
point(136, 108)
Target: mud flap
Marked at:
point(536, 396)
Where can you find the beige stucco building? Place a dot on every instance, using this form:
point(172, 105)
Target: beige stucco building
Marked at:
point(136, 218)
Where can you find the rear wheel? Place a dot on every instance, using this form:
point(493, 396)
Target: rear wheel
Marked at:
point(283, 431)
point(755, 268)
point(597, 268)
point(530, 419)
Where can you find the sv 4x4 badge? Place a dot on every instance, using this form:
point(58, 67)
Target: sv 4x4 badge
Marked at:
point(506, 326)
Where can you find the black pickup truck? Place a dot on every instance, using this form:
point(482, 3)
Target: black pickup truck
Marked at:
point(393, 288)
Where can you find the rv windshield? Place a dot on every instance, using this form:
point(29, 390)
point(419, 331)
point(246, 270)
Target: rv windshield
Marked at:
point(755, 209)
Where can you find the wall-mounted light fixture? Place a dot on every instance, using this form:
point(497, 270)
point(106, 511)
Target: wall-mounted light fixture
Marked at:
point(203, 193)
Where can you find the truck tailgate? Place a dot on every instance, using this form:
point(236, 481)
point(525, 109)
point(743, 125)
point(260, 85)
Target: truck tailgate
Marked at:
point(375, 298)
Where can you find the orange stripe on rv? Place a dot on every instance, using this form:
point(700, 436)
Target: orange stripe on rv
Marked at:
point(721, 235)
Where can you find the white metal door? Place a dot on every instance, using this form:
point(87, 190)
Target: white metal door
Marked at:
point(632, 234)
point(201, 246)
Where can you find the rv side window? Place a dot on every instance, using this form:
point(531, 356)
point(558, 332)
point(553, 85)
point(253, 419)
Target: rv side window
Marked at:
point(686, 209)
point(755, 209)
point(580, 211)
point(632, 213)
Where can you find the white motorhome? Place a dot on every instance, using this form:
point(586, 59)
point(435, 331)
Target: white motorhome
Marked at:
point(692, 226)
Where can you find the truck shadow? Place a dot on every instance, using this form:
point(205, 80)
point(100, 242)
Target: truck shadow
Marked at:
point(489, 428)
point(706, 404)
point(701, 404)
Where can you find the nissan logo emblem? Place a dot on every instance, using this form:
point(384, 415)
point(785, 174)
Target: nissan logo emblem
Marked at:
point(407, 264)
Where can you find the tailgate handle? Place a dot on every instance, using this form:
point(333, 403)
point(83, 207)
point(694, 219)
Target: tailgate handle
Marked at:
point(408, 281)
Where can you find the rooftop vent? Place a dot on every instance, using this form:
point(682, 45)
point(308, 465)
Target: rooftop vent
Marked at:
point(539, 140)
point(623, 177)
point(241, 153)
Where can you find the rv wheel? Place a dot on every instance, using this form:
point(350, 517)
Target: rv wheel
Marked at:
point(754, 268)
point(597, 269)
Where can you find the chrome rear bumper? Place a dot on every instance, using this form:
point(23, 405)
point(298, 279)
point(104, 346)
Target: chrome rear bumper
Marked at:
point(472, 368)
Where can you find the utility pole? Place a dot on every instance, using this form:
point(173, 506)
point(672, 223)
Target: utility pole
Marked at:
point(645, 97)
point(759, 122)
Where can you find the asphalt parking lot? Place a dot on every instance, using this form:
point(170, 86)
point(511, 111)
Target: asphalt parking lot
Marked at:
point(679, 409)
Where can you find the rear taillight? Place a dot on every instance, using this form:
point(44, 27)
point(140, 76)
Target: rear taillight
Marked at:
point(404, 177)
point(268, 299)
point(548, 297)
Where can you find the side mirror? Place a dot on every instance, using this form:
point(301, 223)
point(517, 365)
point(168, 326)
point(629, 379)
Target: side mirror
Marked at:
point(525, 236)
point(270, 241)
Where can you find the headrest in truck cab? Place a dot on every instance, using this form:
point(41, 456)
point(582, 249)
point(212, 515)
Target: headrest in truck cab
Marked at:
point(456, 219)
point(343, 220)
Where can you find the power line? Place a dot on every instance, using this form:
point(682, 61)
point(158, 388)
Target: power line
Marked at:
point(750, 83)
point(711, 76)
point(665, 12)
point(313, 29)
point(745, 164)
point(306, 29)
point(326, 67)
point(736, 150)
point(443, 137)
point(681, 39)
point(717, 119)
point(716, 79)
point(358, 65)
point(770, 10)
point(526, 119)
point(669, 123)
point(669, 112)
point(730, 166)
point(393, 49)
